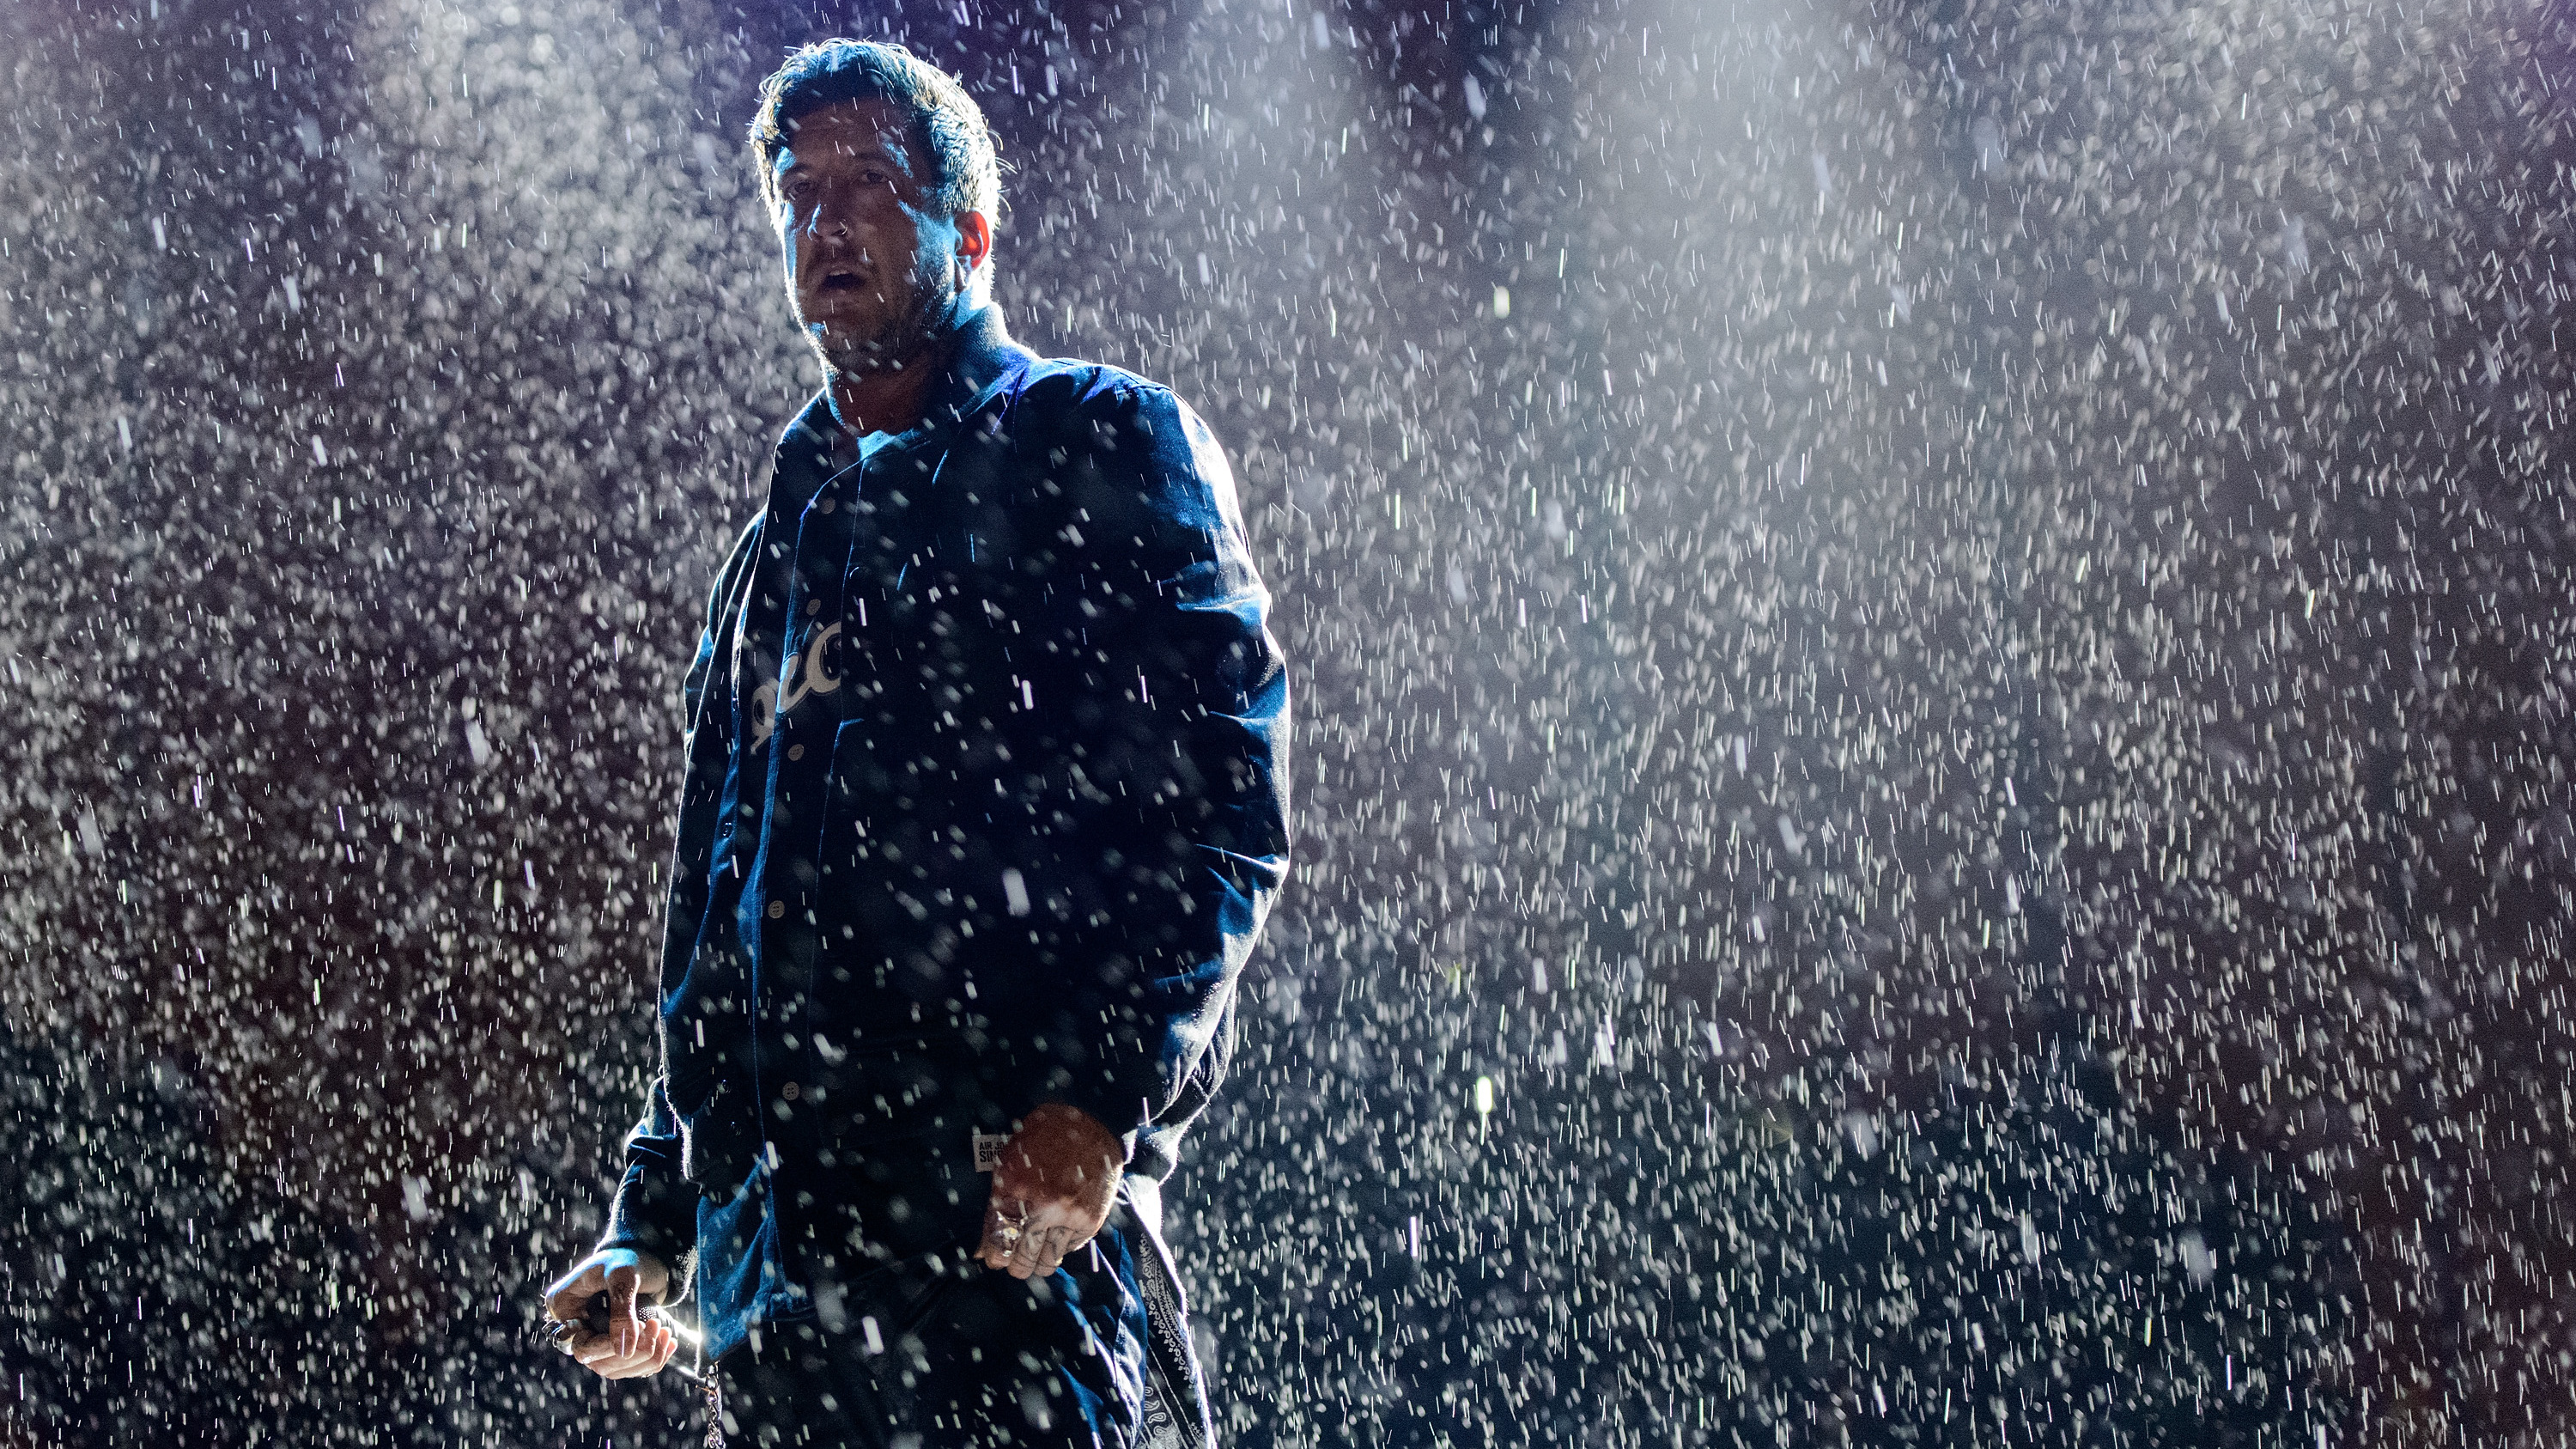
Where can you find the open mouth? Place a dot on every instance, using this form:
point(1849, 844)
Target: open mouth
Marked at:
point(840, 282)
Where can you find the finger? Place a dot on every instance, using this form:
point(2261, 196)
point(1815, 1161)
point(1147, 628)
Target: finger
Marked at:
point(1030, 1250)
point(1020, 1255)
point(1008, 1221)
point(1070, 1243)
point(991, 1252)
point(623, 1324)
point(657, 1352)
point(1022, 1260)
point(1078, 1234)
point(651, 1352)
point(599, 1353)
point(1059, 1242)
point(646, 1359)
point(567, 1296)
point(1031, 1254)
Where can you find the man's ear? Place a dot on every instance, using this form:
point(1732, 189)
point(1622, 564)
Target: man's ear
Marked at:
point(974, 240)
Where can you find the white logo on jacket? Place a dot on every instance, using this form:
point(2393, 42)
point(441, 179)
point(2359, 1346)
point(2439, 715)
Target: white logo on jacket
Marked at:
point(805, 674)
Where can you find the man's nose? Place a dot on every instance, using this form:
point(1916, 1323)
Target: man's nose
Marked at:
point(828, 220)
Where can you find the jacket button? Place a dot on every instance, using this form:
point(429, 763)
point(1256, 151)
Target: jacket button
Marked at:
point(777, 909)
point(795, 752)
point(791, 1091)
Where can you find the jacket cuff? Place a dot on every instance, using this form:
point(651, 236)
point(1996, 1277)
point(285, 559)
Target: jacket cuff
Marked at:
point(648, 1217)
point(1115, 1100)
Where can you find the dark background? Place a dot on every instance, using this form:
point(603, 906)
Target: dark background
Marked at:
point(1935, 636)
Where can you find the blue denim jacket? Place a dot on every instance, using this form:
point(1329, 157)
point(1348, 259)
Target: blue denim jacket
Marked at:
point(985, 805)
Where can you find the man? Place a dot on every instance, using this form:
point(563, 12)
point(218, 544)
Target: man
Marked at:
point(985, 806)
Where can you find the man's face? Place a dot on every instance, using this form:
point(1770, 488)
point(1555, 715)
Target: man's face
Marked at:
point(872, 269)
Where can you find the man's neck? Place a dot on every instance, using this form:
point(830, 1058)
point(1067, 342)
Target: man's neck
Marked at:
point(892, 399)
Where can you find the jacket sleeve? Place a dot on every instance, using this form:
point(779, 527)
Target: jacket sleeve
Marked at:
point(1180, 708)
point(655, 1210)
point(655, 1207)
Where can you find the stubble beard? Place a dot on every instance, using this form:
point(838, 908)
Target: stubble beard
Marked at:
point(899, 340)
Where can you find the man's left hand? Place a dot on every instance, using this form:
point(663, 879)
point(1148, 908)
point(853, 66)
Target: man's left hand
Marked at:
point(1051, 1190)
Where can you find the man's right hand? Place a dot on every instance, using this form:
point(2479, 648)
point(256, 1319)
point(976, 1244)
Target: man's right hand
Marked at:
point(634, 1346)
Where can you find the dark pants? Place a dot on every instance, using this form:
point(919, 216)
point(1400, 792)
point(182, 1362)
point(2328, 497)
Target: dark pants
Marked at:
point(936, 1350)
